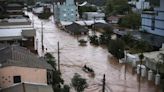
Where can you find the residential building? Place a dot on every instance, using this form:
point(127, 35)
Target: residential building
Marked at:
point(93, 15)
point(28, 87)
point(76, 28)
point(66, 11)
point(140, 4)
point(16, 27)
point(19, 65)
point(153, 20)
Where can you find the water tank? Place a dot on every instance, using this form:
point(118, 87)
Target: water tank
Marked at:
point(150, 75)
point(157, 79)
point(143, 70)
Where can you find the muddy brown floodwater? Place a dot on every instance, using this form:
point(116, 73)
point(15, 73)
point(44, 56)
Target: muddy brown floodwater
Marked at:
point(74, 57)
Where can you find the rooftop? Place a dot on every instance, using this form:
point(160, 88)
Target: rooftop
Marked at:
point(12, 55)
point(76, 28)
point(28, 87)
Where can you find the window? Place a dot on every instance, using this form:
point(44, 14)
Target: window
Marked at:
point(17, 79)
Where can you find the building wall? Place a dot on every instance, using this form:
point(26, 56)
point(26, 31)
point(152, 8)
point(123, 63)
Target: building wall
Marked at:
point(66, 12)
point(33, 75)
point(147, 20)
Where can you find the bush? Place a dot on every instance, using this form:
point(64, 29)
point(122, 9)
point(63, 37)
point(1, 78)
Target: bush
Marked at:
point(44, 15)
point(116, 48)
point(94, 40)
point(132, 20)
point(79, 83)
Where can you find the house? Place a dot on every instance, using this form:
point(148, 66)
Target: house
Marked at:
point(140, 4)
point(114, 19)
point(102, 27)
point(93, 16)
point(16, 27)
point(19, 65)
point(28, 87)
point(75, 28)
point(22, 37)
point(15, 9)
point(153, 20)
point(66, 11)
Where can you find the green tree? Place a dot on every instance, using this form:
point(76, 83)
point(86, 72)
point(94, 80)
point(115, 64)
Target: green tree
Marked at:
point(66, 88)
point(132, 20)
point(105, 37)
point(128, 41)
point(57, 80)
point(94, 39)
point(117, 7)
point(83, 9)
point(79, 83)
point(116, 48)
point(51, 60)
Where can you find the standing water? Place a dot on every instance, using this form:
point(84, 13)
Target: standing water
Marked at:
point(74, 57)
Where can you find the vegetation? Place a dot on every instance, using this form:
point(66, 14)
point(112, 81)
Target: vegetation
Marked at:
point(117, 7)
point(116, 48)
point(105, 37)
point(135, 46)
point(57, 80)
point(132, 20)
point(66, 88)
point(94, 39)
point(79, 83)
point(83, 9)
point(45, 15)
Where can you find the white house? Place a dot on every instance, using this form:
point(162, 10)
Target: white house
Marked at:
point(140, 4)
point(153, 21)
point(93, 15)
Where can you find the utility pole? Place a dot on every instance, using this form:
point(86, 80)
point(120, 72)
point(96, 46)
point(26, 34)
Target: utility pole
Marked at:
point(53, 9)
point(125, 64)
point(42, 36)
point(58, 57)
point(103, 87)
point(94, 26)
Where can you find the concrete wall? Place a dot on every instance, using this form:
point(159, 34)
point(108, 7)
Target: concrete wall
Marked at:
point(33, 75)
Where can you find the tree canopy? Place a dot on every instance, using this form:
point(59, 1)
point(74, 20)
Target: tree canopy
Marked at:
point(117, 7)
point(132, 20)
point(116, 48)
point(79, 83)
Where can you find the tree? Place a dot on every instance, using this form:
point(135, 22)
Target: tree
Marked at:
point(66, 88)
point(83, 9)
point(116, 48)
point(94, 40)
point(117, 7)
point(79, 83)
point(105, 37)
point(128, 40)
point(132, 20)
point(57, 80)
point(51, 60)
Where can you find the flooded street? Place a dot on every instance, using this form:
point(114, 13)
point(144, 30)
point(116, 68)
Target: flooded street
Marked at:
point(73, 57)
